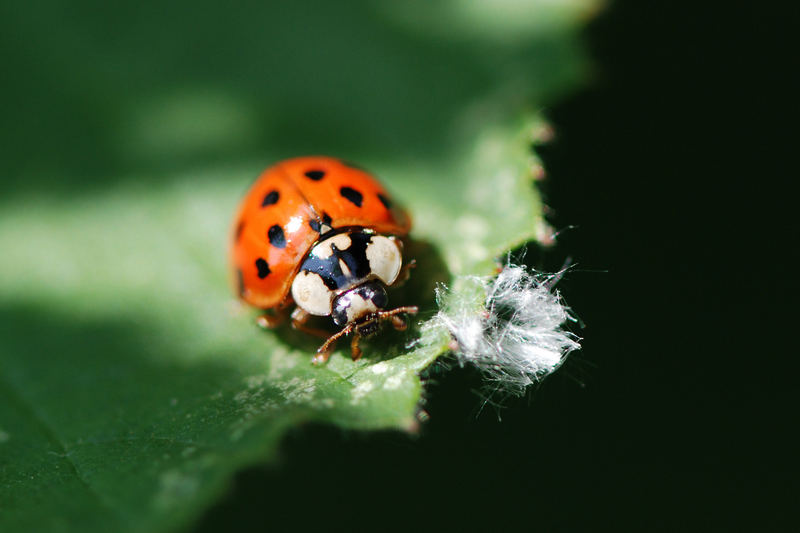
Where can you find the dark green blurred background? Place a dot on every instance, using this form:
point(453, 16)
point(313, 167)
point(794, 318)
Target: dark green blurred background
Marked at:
point(97, 91)
point(673, 417)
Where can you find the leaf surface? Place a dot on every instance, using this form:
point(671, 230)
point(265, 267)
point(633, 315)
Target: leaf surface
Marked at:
point(132, 384)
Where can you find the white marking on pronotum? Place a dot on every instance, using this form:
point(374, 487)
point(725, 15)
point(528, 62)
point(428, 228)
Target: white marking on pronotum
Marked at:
point(517, 337)
point(385, 258)
point(325, 249)
point(345, 268)
point(310, 293)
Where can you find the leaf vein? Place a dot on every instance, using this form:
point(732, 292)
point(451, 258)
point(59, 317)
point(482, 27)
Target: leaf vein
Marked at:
point(26, 406)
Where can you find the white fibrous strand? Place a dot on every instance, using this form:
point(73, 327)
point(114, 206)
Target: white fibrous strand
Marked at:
point(518, 336)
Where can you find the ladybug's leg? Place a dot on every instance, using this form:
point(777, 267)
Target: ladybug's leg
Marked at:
point(299, 319)
point(405, 273)
point(398, 322)
point(355, 351)
point(324, 351)
point(271, 321)
point(322, 357)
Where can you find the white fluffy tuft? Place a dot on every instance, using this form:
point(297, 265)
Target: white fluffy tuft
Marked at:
point(517, 337)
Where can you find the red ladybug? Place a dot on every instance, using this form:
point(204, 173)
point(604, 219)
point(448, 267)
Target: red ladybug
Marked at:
point(324, 235)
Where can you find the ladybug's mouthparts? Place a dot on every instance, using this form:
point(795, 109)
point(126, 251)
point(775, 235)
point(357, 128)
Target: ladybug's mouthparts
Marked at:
point(369, 326)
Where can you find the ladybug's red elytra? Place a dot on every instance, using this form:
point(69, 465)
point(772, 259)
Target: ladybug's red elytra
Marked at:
point(324, 235)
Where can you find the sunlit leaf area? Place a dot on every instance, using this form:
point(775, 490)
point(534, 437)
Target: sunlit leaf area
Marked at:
point(133, 384)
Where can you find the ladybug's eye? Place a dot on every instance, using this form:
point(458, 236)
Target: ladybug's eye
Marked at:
point(339, 316)
point(380, 299)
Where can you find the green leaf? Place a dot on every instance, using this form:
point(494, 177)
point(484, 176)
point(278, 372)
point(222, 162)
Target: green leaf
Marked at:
point(133, 385)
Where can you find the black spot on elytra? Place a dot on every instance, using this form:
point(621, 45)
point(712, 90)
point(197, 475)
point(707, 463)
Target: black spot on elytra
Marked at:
point(353, 195)
point(239, 229)
point(385, 201)
point(270, 199)
point(240, 281)
point(315, 175)
point(263, 268)
point(276, 236)
point(316, 224)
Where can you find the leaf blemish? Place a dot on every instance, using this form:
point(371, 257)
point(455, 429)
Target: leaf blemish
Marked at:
point(176, 486)
point(297, 390)
point(360, 391)
point(379, 368)
point(188, 451)
point(394, 382)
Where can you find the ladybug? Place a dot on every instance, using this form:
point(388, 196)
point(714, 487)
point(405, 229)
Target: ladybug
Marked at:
point(324, 235)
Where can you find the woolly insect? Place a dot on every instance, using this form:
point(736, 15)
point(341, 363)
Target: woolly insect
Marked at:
point(517, 337)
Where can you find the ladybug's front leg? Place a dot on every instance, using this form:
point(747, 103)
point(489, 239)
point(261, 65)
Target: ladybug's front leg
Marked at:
point(355, 351)
point(299, 319)
point(324, 351)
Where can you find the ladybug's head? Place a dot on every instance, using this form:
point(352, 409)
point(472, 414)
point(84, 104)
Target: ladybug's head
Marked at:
point(345, 275)
point(358, 302)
